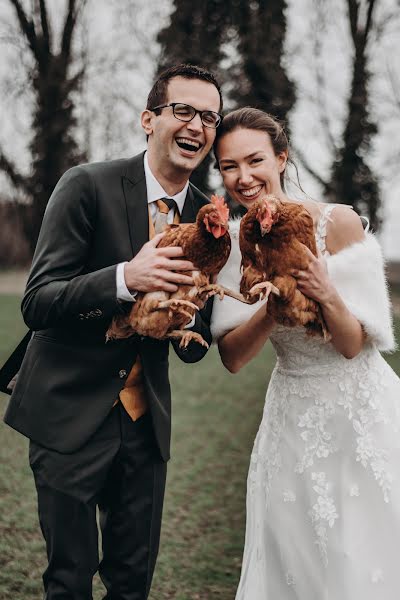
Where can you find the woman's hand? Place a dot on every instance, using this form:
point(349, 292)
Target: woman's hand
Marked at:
point(314, 281)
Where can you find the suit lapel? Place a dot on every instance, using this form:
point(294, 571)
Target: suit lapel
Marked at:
point(190, 208)
point(135, 192)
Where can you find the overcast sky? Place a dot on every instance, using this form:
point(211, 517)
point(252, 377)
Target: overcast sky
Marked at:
point(120, 39)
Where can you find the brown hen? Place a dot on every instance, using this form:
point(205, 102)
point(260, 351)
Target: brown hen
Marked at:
point(161, 315)
point(272, 234)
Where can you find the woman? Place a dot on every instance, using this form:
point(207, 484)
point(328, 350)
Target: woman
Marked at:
point(323, 495)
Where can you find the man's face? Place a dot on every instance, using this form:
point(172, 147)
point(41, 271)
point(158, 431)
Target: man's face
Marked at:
point(176, 147)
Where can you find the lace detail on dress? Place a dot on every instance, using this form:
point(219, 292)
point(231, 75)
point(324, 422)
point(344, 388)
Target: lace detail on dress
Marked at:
point(320, 234)
point(324, 400)
point(323, 513)
point(265, 459)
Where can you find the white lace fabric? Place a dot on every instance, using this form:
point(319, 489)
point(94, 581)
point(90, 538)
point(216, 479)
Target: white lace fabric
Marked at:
point(323, 494)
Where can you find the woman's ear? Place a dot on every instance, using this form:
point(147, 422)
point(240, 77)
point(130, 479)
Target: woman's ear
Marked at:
point(146, 119)
point(282, 160)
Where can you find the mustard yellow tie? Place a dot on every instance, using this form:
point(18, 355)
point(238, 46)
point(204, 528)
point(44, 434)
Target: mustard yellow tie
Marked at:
point(132, 396)
point(164, 206)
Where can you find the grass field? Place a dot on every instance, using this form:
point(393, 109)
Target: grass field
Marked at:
point(215, 417)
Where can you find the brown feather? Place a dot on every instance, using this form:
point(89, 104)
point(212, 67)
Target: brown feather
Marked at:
point(272, 256)
point(147, 316)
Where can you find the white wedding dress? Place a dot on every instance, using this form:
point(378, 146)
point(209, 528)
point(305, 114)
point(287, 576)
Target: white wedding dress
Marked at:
point(323, 490)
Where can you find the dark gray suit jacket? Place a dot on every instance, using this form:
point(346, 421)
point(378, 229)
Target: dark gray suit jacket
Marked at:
point(70, 377)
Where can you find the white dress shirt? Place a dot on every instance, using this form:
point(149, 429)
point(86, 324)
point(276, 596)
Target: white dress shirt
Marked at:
point(154, 192)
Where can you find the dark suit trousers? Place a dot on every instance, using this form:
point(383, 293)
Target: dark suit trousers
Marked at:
point(120, 471)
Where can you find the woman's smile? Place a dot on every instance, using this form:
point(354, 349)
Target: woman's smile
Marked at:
point(249, 166)
point(251, 192)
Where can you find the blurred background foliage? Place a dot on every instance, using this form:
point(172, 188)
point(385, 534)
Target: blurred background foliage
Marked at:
point(80, 71)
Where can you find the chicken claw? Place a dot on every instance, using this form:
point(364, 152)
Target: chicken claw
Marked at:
point(119, 328)
point(175, 304)
point(211, 289)
point(215, 288)
point(264, 289)
point(187, 336)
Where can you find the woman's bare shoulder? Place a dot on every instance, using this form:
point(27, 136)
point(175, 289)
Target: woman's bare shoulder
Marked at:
point(313, 207)
point(344, 228)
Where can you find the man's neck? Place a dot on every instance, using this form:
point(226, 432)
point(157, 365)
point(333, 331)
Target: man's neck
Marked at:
point(171, 182)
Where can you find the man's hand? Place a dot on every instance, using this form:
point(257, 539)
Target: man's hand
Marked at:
point(154, 269)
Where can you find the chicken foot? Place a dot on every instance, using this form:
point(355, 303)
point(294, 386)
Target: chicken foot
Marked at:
point(119, 328)
point(186, 336)
point(178, 305)
point(215, 288)
point(264, 289)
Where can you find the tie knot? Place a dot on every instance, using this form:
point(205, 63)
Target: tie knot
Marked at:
point(165, 204)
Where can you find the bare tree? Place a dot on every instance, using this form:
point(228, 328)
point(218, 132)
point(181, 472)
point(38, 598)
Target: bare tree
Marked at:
point(351, 179)
point(261, 77)
point(53, 84)
point(195, 35)
point(206, 32)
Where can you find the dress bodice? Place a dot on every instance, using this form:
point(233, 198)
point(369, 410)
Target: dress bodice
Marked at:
point(296, 350)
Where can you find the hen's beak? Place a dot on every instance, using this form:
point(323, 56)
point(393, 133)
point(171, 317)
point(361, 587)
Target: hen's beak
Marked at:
point(266, 220)
point(219, 229)
point(265, 227)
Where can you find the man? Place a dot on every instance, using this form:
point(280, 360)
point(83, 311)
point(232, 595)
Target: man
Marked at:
point(97, 414)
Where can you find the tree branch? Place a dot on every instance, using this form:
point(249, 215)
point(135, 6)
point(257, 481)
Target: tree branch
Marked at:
point(27, 28)
point(72, 83)
point(325, 184)
point(69, 25)
point(394, 84)
point(45, 26)
point(17, 179)
point(321, 86)
point(353, 7)
point(68, 29)
point(368, 23)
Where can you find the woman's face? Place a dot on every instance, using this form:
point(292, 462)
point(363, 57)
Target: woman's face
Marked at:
point(249, 166)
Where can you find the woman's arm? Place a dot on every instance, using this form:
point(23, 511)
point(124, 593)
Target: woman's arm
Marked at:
point(239, 346)
point(347, 333)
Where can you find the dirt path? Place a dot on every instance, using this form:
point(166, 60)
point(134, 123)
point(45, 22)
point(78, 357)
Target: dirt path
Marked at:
point(13, 282)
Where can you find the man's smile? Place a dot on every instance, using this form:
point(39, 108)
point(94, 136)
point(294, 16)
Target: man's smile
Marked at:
point(188, 145)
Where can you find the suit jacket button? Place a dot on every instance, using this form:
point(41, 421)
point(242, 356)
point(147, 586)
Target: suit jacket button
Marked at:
point(122, 373)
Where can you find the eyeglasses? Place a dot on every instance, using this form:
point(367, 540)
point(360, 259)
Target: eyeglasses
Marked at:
point(185, 112)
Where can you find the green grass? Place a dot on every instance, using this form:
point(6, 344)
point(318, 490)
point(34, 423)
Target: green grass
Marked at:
point(215, 418)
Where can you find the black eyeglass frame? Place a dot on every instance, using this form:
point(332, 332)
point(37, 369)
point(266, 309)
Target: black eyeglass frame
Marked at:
point(196, 112)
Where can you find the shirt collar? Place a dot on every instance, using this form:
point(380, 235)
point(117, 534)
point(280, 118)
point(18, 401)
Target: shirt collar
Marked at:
point(155, 191)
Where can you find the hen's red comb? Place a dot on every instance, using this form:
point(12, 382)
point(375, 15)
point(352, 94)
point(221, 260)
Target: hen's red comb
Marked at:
point(221, 206)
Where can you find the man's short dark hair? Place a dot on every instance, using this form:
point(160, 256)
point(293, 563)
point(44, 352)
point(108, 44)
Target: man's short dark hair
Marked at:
point(159, 91)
